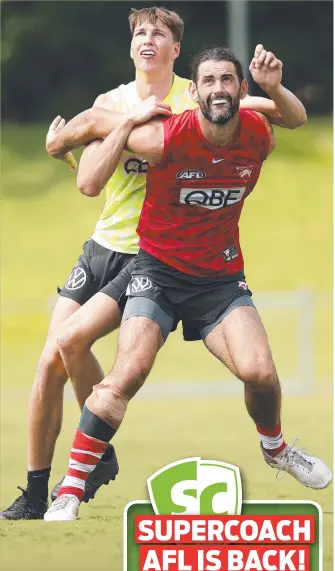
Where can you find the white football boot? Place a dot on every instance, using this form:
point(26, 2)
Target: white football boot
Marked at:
point(308, 470)
point(64, 508)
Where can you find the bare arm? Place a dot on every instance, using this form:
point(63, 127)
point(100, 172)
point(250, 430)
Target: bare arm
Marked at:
point(94, 123)
point(266, 70)
point(265, 106)
point(291, 112)
point(100, 158)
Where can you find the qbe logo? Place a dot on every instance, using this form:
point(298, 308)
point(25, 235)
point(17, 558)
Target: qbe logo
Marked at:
point(136, 166)
point(194, 486)
point(212, 198)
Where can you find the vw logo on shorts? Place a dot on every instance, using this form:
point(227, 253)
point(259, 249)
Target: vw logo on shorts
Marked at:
point(77, 279)
point(138, 284)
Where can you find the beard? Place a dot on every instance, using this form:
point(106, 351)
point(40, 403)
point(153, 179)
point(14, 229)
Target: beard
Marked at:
point(219, 115)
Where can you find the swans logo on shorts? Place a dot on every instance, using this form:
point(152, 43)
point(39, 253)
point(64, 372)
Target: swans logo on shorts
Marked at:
point(243, 285)
point(138, 284)
point(77, 279)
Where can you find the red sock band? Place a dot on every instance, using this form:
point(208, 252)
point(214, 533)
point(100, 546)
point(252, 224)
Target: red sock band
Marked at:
point(272, 432)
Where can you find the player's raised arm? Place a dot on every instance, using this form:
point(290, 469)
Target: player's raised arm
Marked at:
point(266, 70)
point(100, 159)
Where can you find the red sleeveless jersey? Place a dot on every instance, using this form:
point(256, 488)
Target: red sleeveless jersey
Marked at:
point(195, 195)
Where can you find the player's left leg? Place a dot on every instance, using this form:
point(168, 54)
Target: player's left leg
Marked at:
point(240, 342)
point(96, 318)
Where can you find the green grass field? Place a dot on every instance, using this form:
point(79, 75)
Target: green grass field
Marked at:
point(286, 233)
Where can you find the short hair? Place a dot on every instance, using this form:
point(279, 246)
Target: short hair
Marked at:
point(216, 54)
point(167, 17)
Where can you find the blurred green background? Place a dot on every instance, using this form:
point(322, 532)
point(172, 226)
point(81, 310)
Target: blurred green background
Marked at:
point(56, 58)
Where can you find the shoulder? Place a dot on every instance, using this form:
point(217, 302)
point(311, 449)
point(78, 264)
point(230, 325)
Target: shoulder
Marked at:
point(180, 82)
point(181, 121)
point(115, 97)
point(269, 130)
point(179, 97)
point(178, 130)
point(259, 124)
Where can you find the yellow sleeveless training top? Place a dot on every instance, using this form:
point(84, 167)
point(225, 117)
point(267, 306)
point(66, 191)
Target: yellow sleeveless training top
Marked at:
point(116, 228)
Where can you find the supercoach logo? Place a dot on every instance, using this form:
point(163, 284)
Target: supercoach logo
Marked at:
point(212, 198)
point(196, 486)
point(190, 174)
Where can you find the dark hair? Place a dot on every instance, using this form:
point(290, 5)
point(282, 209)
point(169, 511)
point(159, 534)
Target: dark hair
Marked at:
point(156, 14)
point(216, 54)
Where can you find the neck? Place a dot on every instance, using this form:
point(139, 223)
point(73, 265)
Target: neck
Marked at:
point(159, 85)
point(220, 135)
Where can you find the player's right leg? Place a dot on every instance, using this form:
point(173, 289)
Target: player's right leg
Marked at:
point(46, 400)
point(44, 421)
point(145, 327)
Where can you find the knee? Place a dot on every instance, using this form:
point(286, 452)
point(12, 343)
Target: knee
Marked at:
point(126, 378)
point(130, 376)
point(69, 339)
point(50, 370)
point(136, 371)
point(108, 402)
point(259, 373)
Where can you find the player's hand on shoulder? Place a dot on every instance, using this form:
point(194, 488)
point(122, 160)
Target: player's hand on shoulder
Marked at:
point(266, 69)
point(148, 109)
point(51, 143)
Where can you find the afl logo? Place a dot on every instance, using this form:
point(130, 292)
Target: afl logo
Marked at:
point(77, 279)
point(137, 166)
point(190, 174)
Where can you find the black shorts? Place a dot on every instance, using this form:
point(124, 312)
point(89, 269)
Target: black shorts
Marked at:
point(196, 301)
point(95, 268)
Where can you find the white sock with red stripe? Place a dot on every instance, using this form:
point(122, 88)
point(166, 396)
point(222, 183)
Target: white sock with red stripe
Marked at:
point(271, 439)
point(85, 454)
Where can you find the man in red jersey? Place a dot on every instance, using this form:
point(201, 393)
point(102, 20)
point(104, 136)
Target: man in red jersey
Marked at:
point(204, 163)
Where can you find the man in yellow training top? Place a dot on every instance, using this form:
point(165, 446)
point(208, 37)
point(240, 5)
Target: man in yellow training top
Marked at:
point(81, 317)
